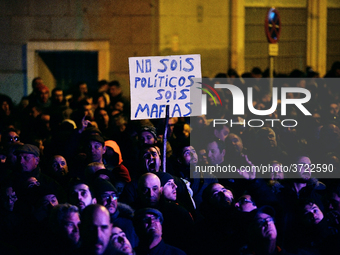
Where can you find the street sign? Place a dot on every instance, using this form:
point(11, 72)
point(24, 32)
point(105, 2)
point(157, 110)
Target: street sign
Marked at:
point(272, 25)
point(273, 49)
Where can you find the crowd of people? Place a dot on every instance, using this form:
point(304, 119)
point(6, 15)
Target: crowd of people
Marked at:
point(78, 176)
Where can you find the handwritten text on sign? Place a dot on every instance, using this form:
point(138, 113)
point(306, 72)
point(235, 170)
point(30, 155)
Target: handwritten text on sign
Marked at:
point(159, 81)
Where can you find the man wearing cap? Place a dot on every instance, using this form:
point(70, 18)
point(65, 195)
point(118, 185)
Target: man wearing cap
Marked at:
point(28, 157)
point(148, 224)
point(176, 217)
point(169, 186)
point(28, 166)
point(95, 148)
point(120, 214)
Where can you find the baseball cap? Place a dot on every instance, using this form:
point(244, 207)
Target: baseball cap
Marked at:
point(140, 214)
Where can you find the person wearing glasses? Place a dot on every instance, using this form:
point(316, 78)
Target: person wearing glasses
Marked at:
point(9, 136)
point(262, 234)
point(245, 204)
point(148, 224)
point(120, 214)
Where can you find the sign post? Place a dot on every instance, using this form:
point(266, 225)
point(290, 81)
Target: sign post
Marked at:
point(272, 26)
point(161, 87)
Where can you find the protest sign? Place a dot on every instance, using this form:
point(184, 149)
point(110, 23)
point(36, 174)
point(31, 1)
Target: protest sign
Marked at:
point(163, 80)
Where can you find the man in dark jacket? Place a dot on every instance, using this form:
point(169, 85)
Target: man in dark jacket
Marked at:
point(148, 224)
point(120, 214)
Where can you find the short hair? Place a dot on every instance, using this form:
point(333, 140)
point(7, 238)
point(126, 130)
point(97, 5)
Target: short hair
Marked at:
point(56, 89)
point(114, 83)
point(59, 213)
point(220, 144)
point(148, 146)
point(77, 181)
point(306, 201)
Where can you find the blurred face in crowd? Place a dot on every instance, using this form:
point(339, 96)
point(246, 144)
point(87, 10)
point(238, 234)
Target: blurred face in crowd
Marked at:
point(44, 95)
point(88, 110)
point(234, 144)
point(34, 112)
point(9, 198)
point(120, 242)
point(70, 227)
point(81, 196)
point(223, 133)
point(96, 151)
point(277, 173)
point(268, 138)
point(220, 196)
point(150, 190)
point(304, 167)
point(59, 165)
point(312, 214)
point(83, 88)
point(186, 130)
point(27, 162)
point(189, 156)
point(151, 226)
point(244, 204)
point(101, 102)
point(32, 182)
point(12, 137)
point(44, 206)
point(215, 155)
point(104, 117)
point(5, 107)
point(169, 190)
point(265, 226)
point(334, 202)
point(119, 106)
point(115, 91)
point(334, 109)
point(109, 199)
point(147, 138)
point(58, 96)
point(96, 230)
point(49, 200)
point(152, 160)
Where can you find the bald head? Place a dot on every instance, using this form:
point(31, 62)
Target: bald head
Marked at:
point(149, 189)
point(96, 228)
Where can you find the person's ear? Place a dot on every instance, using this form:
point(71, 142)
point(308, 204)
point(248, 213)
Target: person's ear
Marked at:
point(161, 189)
point(37, 159)
point(223, 152)
point(94, 201)
point(104, 149)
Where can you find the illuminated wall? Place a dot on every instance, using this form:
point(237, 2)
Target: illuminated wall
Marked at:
point(196, 27)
